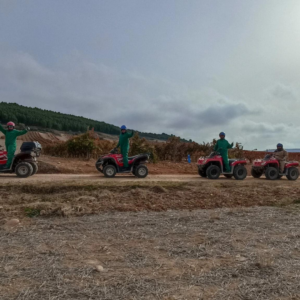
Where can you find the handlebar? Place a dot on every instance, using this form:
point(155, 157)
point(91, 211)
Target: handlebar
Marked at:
point(214, 153)
point(114, 151)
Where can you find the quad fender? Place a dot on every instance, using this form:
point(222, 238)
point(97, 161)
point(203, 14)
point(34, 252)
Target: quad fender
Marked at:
point(290, 164)
point(239, 162)
point(140, 160)
point(210, 163)
point(110, 161)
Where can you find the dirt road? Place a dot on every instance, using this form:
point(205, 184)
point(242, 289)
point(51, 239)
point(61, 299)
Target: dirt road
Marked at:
point(126, 178)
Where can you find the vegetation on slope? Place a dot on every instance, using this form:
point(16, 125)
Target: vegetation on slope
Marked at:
point(59, 121)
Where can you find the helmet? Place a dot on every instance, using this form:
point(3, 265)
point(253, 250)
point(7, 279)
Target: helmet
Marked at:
point(222, 134)
point(123, 127)
point(279, 145)
point(11, 124)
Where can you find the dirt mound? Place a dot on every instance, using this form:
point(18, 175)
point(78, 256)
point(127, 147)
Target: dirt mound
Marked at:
point(44, 138)
point(159, 189)
point(46, 168)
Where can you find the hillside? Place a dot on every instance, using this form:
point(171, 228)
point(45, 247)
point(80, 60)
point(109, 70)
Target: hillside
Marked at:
point(46, 119)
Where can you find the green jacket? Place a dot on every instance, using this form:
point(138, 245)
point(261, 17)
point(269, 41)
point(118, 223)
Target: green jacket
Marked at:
point(124, 141)
point(11, 136)
point(222, 146)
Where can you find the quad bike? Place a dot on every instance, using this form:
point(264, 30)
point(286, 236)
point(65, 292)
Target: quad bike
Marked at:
point(212, 167)
point(24, 163)
point(112, 163)
point(270, 167)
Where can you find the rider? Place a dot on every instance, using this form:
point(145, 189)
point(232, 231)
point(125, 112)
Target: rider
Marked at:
point(282, 156)
point(222, 147)
point(11, 141)
point(124, 144)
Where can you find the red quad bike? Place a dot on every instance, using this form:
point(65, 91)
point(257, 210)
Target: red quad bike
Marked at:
point(270, 167)
point(24, 163)
point(212, 167)
point(112, 163)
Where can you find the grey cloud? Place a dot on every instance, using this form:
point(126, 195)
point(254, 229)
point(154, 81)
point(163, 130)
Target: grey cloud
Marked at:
point(270, 132)
point(262, 135)
point(265, 128)
point(223, 114)
point(145, 103)
point(103, 93)
point(282, 92)
point(212, 116)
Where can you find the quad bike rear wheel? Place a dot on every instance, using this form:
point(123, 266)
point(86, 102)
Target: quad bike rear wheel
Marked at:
point(23, 169)
point(109, 171)
point(256, 174)
point(213, 172)
point(35, 168)
point(293, 173)
point(141, 171)
point(240, 172)
point(272, 173)
point(201, 173)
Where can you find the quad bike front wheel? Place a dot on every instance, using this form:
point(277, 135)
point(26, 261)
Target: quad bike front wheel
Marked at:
point(213, 172)
point(256, 174)
point(109, 171)
point(271, 173)
point(293, 173)
point(35, 168)
point(240, 172)
point(141, 171)
point(201, 173)
point(24, 170)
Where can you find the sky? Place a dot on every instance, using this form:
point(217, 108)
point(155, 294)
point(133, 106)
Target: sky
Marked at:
point(192, 68)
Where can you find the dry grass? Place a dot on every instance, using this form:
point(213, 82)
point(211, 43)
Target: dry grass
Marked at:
point(245, 253)
point(83, 198)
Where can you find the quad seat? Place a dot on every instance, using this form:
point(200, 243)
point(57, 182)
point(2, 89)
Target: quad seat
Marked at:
point(139, 155)
point(132, 157)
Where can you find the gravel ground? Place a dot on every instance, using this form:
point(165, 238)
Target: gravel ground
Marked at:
point(228, 253)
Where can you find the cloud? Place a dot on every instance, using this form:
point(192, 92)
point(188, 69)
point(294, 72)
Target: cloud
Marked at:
point(266, 130)
point(282, 92)
point(152, 104)
point(264, 135)
point(103, 93)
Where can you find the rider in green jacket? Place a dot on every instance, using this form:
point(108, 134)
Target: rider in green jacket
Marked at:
point(11, 141)
point(124, 144)
point(222, 147)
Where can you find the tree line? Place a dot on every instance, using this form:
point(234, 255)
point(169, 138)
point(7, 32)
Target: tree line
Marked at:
point(48, 119)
